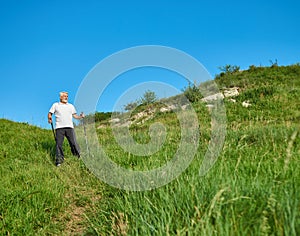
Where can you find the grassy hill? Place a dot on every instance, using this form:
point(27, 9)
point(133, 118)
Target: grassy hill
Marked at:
point(36, 198)
point(253, 189)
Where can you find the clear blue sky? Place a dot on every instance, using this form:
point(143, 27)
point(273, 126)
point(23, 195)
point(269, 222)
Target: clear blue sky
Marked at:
point(49, 46)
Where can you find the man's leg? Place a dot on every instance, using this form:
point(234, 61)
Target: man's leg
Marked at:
point(70, 134)
point(60, 134)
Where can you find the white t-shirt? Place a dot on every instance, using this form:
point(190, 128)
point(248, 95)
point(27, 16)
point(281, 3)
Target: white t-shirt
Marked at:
point(63, 114)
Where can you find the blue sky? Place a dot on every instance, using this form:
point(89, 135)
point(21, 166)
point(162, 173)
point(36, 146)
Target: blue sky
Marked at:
point(49, 46)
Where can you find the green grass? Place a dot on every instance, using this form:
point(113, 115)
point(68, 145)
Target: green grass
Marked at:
point(36, 198)
point(253, 188)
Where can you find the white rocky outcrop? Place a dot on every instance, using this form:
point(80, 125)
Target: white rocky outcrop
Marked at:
point(143, 116)
point(231, 92)
point(213, 97)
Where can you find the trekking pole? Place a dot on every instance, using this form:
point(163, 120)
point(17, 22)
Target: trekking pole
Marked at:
point(53, 131)
point(86, 141)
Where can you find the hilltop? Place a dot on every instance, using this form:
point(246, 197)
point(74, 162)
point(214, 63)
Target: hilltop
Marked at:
point(269, 93)
point(253, 188)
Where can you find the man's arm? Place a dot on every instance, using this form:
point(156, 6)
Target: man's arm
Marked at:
point(78, 117)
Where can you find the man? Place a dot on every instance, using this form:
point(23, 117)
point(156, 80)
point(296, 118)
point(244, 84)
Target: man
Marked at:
point(64, 127)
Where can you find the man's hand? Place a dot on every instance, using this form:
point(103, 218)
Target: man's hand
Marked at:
point(49, 118)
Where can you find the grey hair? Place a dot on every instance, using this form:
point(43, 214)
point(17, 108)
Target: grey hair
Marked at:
point(63, 92)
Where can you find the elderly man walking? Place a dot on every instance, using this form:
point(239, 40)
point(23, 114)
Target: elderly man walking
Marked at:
point(64, 112)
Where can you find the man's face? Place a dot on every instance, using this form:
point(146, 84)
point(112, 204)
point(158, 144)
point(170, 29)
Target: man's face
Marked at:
point(64, 98)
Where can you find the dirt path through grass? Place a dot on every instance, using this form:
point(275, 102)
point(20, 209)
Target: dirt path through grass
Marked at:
point(81, 197)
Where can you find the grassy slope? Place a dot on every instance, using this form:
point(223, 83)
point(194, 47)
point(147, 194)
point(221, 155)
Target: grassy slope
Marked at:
point(254, 186)
point(36, 198)
point(252, 189)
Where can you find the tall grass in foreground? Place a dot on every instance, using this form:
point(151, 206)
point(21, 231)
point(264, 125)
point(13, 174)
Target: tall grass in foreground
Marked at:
point(252, 190)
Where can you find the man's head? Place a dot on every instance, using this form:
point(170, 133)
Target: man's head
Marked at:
point(63, 96)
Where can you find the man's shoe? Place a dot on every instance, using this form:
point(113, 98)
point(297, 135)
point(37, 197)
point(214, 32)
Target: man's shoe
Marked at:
point(58, 165)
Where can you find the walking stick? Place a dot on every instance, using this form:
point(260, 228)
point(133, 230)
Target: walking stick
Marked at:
point(86, 141)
